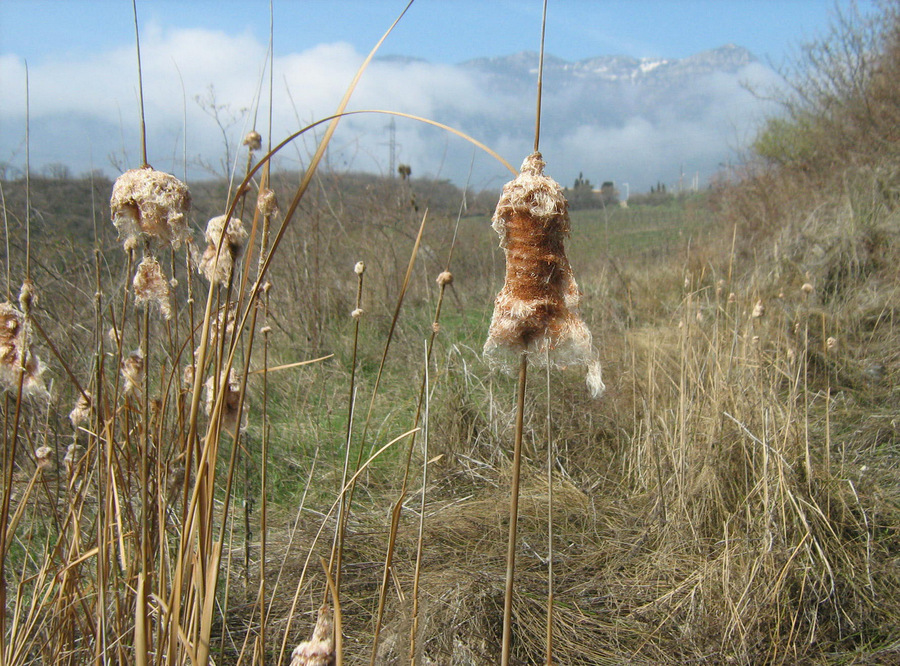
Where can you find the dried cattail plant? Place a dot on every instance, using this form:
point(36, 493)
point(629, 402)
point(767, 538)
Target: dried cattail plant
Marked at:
point(253, 140)
point(44, 457)
point(536, 312)
point(231, 416)
point(16, 355)
point(150, 205)
point(81, 413)
point(133, 372)
point(319, 649)
point(150, 285)
point(267, 202)
point(215, 264)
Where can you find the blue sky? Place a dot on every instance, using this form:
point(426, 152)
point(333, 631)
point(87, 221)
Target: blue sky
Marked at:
point(442, 31)
point(83, 92)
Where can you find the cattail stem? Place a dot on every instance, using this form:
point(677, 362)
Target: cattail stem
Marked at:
point(137, 43)
point(514, 512)
point(549, 523)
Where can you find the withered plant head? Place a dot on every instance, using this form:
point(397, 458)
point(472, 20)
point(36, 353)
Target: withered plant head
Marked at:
point(267, 202)
point(15, 347)
point(537, 310)
point(150, 205)
point(232, 240)
point(82, 410)
point(253, 140)
point(133, 372)
point(231, 414)
point(44, 457)
point(319, 649)
point(150, 285)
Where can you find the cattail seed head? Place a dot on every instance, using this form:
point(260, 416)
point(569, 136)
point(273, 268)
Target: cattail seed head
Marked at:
point(231, 417)
point(360, 268)
point(215, 264)
point(267, 202)
point(759, 309)
point(831, 343)
point(253, 140)
point(16, 355)
point(82, 411)
point(74, 454)
point(445, 278)
point(28, 296)
point(133, 372)
point(732, 298)
point(357, 313)
point(537, 310)
point(150, 204)
point(150, 285)
point(44, 457)
point(319, 649)
point(807, 288)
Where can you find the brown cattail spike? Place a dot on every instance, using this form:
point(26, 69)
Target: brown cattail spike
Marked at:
point(537, 310)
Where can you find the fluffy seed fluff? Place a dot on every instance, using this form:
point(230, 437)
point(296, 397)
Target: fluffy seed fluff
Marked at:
point(231, 417)
point(319, 649)
point(267, 202)
point(536, 312)
point(133, 372)
point(15, 341)
point(253, 140)
point(150, 285)
point(150, 204)
point(82, 410)
point(232, 240)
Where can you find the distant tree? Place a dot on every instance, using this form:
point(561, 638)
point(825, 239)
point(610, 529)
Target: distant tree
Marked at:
point(582, 194)
point(56, 171)
point(609, 195)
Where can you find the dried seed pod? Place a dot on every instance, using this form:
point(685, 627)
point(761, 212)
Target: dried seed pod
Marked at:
point(253, 140)
point(44, 457)
point(150, 284)
point(150, 204)
point(133, 372)
point(15, 346)
point(215, 264)
point(266, 202)
point(360, 268)
point(319, 649)
point(537, 309)
point(445, 278)
point(82, 411)
point(759, 310)
point(231, 417)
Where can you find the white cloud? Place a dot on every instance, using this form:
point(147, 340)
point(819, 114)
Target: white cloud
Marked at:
point(83, 110)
